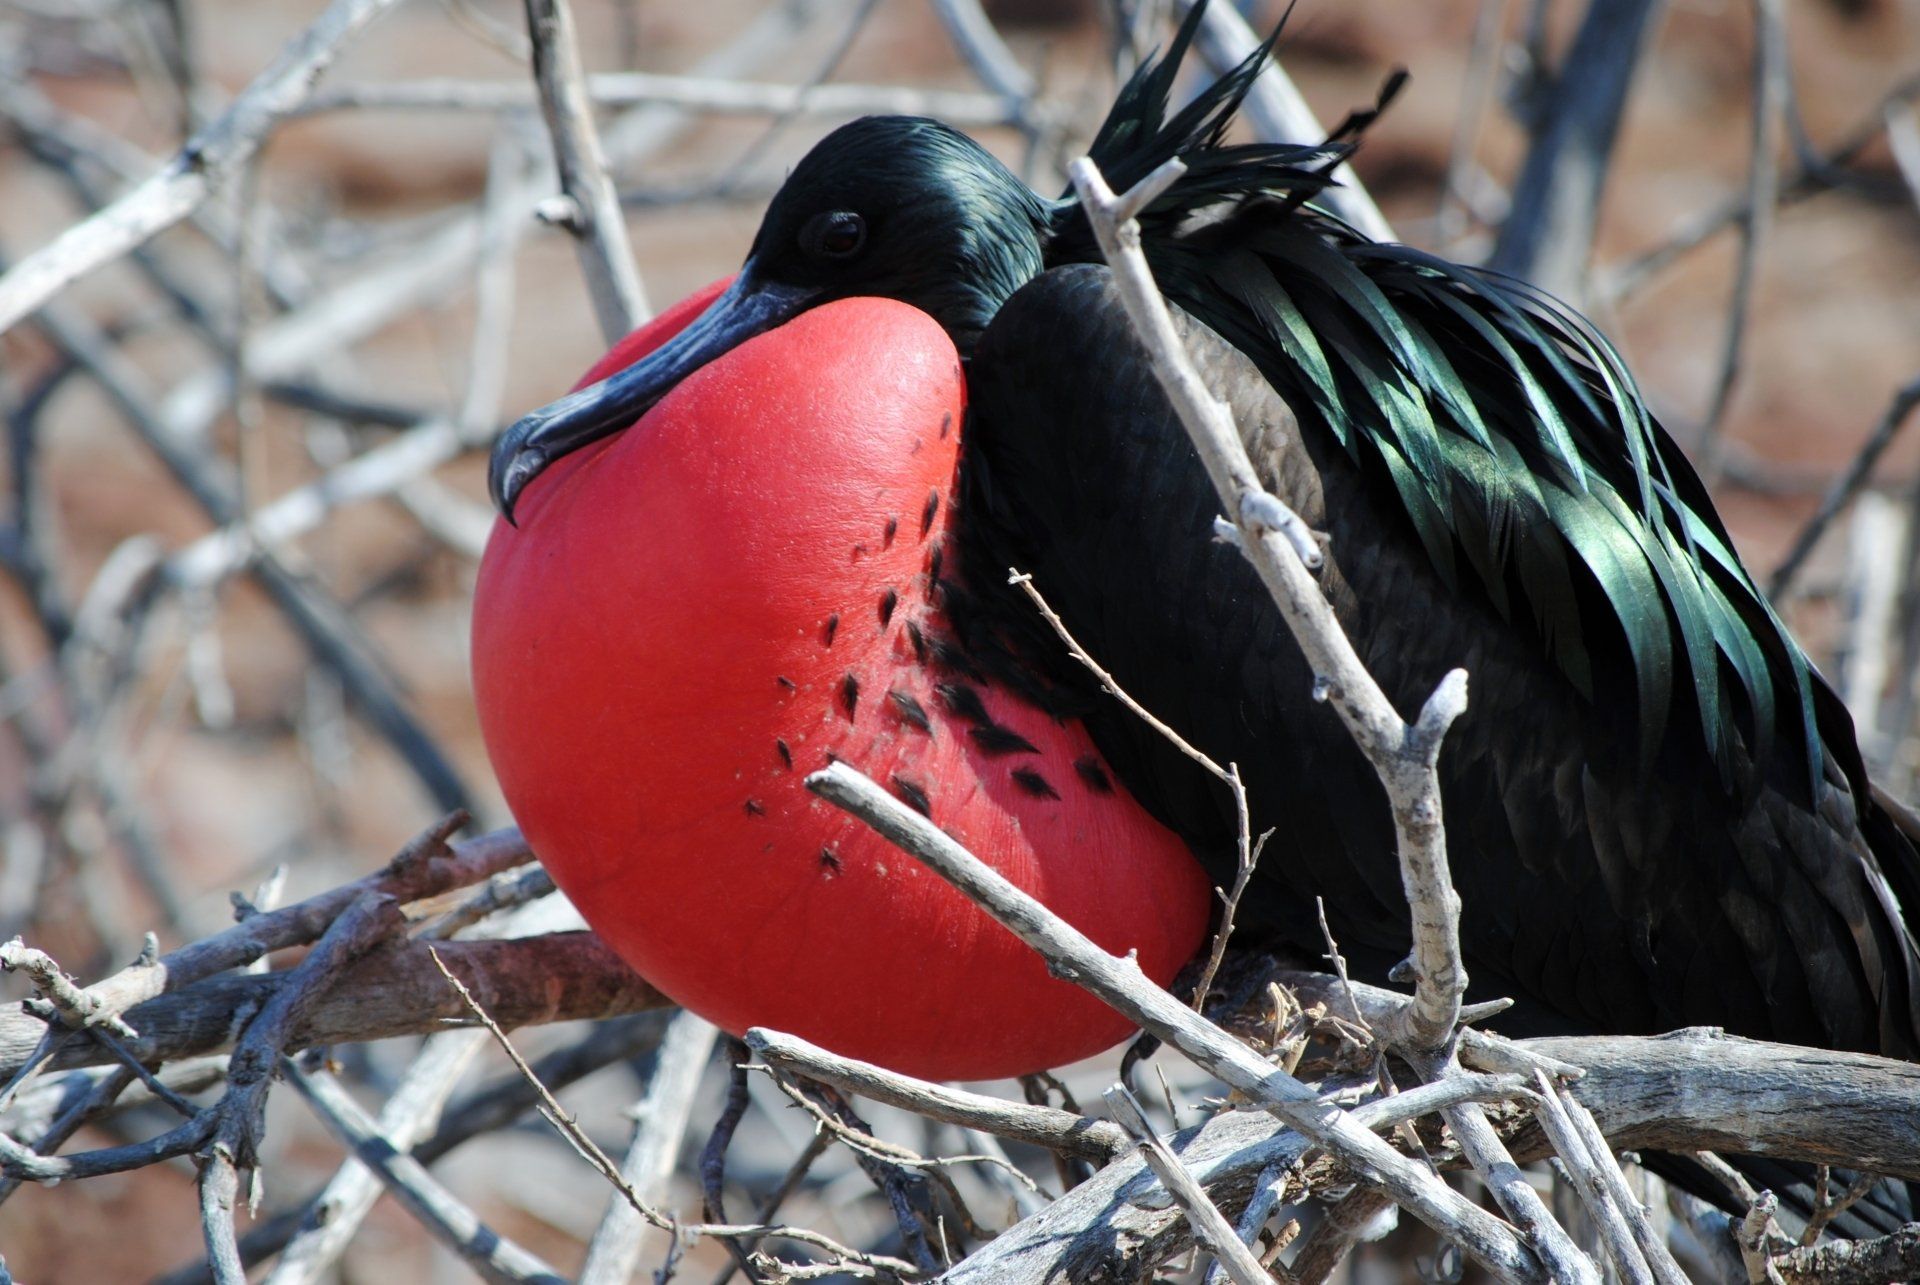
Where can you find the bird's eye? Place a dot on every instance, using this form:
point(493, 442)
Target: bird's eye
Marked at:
point(839, 234)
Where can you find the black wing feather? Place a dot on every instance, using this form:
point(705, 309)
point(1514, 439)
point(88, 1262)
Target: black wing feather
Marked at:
point(1604, 895)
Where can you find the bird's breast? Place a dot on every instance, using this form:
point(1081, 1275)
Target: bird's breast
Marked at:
point(735, 591)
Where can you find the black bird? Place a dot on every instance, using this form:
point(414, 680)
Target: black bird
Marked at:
point(1657, 812)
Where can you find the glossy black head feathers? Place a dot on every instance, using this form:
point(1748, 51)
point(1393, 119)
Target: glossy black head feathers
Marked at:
point(908, 208)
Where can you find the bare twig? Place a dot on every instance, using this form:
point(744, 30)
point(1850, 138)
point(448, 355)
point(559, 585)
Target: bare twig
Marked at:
point(1063, 1131)
point(691, 93)
point(1621, 1248)
point(1516, 1196)
point(203, 166)
point(1210, 1226)
point(1894, 1257)
point(1123, 1218)
point(569, 1128)
point(333, 1216)
point(425, 867)
point(659, 1127)
point(491, 1255)
point(1829, 1207)
point(1121, 984)
point(1809, 178)
point(76, 1008)
point(1555, 207)
point(1845, 487)
point(1755, 1236)
point(1652, 1246)
point(1455, 204)
point(1770, 89)
point(1248, 850)
point(594, 218)
point(394, 991)
point(1405, 756)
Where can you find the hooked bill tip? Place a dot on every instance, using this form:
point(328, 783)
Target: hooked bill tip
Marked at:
point(513, 466)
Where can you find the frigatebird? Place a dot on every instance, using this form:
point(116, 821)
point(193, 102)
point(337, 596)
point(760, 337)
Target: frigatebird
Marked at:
point(1656, 809)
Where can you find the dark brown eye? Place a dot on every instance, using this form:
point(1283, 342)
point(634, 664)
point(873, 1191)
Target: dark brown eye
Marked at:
point(838, 234)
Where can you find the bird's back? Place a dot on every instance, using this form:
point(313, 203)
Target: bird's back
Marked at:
point(1616, 877)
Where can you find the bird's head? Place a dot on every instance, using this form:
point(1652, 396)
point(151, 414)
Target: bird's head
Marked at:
point(893, 206)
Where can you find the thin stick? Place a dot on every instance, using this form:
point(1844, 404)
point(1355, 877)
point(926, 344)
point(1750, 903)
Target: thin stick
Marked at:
point(202, 167)
point(1754, 1234)
point(1845, 487)
point(1763, 184)
point(1249, 852)
point(1652, 1245)
point(491, 1255)
point(1405, 757)
point(660, 1125)
point(412, 1112)
point(1625, 1254)
point(595, 221)
point(1121, 984)
point(1064, 1132)
point(1210, 1226)
point(691, 93)
point(569, 1128)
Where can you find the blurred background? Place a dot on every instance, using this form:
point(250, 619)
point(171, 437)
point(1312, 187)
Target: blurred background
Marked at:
point(189, 704)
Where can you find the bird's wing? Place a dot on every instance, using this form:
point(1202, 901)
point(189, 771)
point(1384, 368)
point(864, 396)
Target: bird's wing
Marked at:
point(1605, 891)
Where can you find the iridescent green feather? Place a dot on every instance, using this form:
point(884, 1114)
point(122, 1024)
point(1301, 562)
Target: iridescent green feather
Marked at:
point(1520, 450)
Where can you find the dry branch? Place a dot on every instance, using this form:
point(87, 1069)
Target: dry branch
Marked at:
point(210, 158)
point(1210, 1226)
point(1066, 1132)
point(692, 93)
point(1121, 984)
point(491, 1255)
point(1275, 542)
point(660, 1126)
point(393, 991)
point(1555, 205)
point(594, 219)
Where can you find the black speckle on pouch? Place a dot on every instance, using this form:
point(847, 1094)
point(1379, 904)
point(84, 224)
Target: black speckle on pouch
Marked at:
point(888, 601)
point(1033, 783)
point(996, 740)
point(911, 710)
point(755, 808)
point(893, 529)
point(785, 682)
point(1092, 773)
point(828, 630)
point(914, 795)
point(829, 862)
point(926, 514)
point(964, 701)
point(786, 754)
point(850, 694)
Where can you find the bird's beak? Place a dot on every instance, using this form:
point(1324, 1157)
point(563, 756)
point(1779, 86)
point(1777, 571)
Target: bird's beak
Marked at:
point(748, 307)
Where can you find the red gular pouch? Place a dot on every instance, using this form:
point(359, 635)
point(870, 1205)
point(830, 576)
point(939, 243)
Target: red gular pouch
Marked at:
point(702, 608)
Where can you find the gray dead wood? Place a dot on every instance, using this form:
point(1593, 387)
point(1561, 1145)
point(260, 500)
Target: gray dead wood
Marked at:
point(1063, 1131)
point(491, 1255)
point(392, 991)
point(1556, 201)
point(210, 157)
